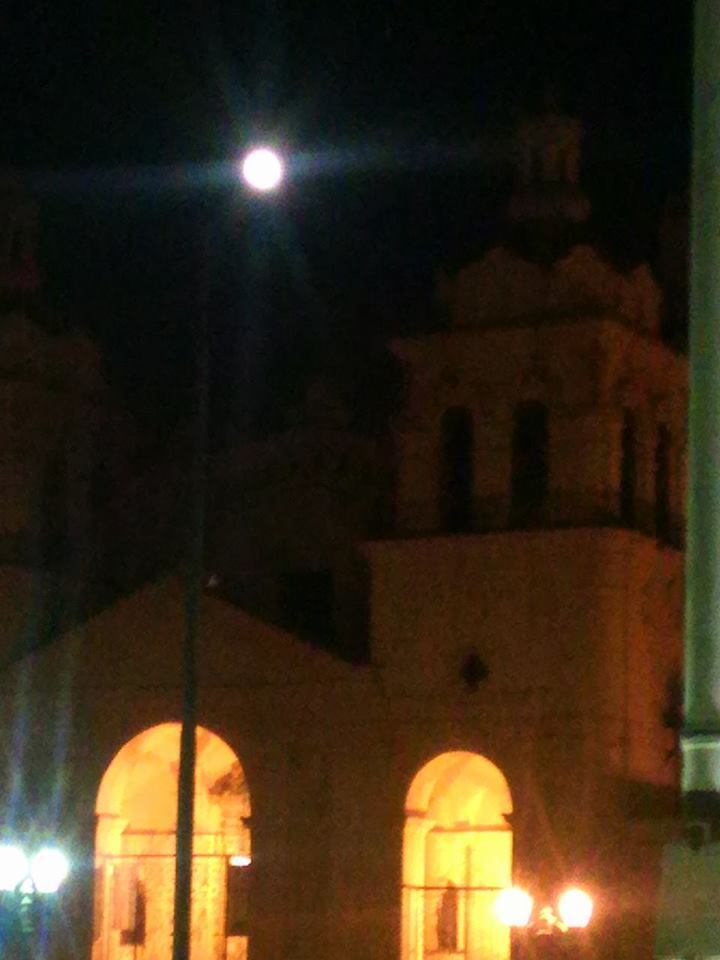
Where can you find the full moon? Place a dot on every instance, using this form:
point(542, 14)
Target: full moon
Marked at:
point(262, 169)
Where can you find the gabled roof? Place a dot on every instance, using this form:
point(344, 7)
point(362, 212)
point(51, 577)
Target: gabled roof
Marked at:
point(138, 640)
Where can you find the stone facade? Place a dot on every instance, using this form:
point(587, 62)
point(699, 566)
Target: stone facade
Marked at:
point(587, 371)
point(498, 696)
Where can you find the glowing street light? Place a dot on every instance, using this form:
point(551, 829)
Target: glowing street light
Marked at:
point(42, 873)
point(28, 884)
point(240, 860)
point(513, 907)
point(262, 169)
point(14, 868)
point(48, 869)
point(575, 908)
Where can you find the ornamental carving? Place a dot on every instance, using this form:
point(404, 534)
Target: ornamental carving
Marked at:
point(503, 287)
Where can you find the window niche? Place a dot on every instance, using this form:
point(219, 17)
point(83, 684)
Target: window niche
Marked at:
point(529, 476)
point(628, 470)
point(53, 508)
point(307, 603)
point(456, 470)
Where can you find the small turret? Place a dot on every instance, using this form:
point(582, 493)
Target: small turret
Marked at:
point(548, 152)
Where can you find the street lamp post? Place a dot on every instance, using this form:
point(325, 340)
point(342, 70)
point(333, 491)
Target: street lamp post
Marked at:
point(262, 171)
point(549, 930)
point(28, 888)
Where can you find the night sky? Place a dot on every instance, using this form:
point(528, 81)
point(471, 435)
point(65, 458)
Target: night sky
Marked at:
point(124, 113)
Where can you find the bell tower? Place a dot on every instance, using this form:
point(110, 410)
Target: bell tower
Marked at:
point(550, 399)
point(539, 501)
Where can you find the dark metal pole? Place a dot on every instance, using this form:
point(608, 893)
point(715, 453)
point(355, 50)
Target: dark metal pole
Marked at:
point(193, 595)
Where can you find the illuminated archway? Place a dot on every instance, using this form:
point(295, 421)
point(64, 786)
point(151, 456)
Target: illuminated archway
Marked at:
point(457, 853)
point(135, 850)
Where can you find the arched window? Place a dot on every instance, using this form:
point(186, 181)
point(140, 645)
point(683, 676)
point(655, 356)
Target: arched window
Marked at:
point(16, 248)
point(135, 849)
point(529, 482)
point(662, 484)
point(54, 536)
point(628, 470)
point(457, 855)
point(456, 480)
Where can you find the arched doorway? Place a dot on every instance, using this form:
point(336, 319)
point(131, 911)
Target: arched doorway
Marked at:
point(457, 853)
point(135, 850)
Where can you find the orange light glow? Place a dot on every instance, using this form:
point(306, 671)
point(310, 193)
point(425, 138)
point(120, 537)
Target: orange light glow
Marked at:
point(457, 852)
point(135, 847)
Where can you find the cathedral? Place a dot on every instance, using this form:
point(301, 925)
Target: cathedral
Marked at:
point(431, 665)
